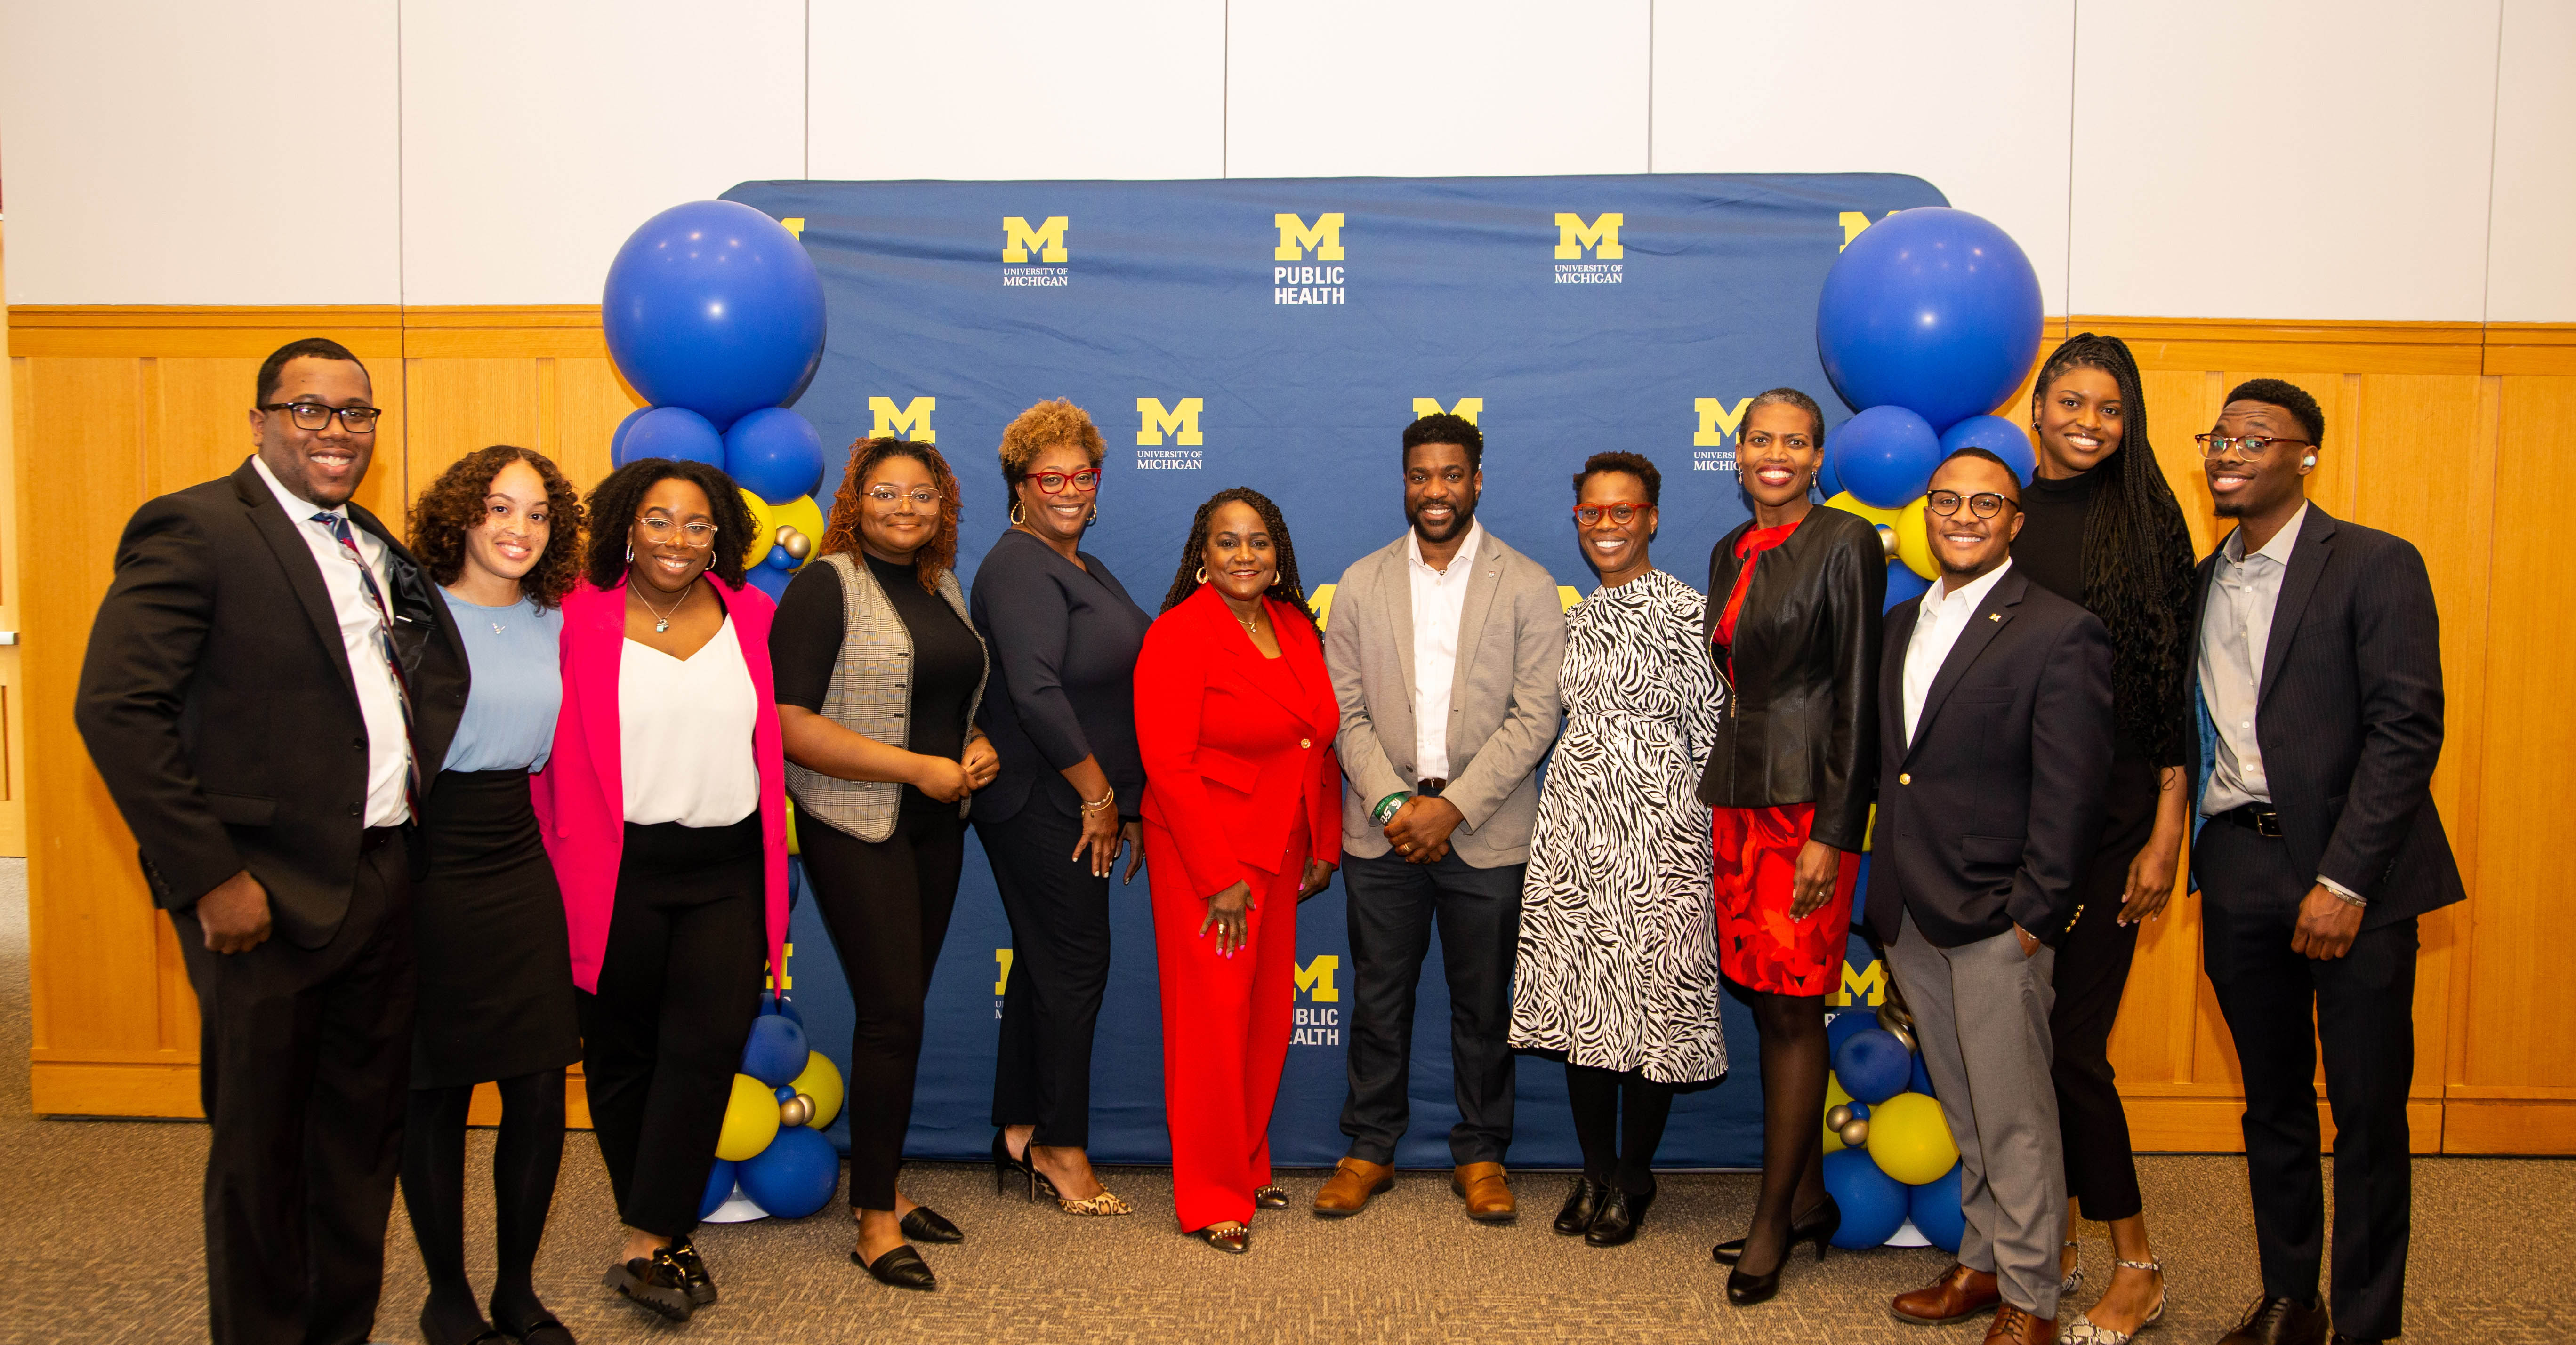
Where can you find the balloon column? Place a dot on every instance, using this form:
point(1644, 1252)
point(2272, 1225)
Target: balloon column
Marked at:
point(771, 1156)
point(714, 313)
point(1889, 1158)
point(1928, 320)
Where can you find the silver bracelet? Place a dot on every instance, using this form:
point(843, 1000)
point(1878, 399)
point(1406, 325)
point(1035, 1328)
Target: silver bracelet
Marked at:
point(2348, 899)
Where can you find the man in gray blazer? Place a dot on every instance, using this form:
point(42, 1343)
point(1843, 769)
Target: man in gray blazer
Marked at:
point(1444, 648)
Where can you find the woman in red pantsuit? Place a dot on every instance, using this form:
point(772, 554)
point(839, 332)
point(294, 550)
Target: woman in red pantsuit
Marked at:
point(1235, 720)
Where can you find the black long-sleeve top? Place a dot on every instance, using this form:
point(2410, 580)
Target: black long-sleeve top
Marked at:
point(1065, 639)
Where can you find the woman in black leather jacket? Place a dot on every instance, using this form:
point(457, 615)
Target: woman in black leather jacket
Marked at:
point(1794, 599)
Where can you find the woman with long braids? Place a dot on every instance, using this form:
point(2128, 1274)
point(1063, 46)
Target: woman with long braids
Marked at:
point(1235, 718)
point(1793, 631)
point(2101, 527)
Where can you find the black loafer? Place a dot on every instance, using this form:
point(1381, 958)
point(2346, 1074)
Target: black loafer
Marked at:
point(652, 1283)
point(1618, 1220)
point(902, 1268)
point(925, 1224)
point(701, 1287)
point(1581, 1204)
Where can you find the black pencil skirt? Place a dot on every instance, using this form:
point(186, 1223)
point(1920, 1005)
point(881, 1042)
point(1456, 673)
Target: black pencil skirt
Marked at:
point(496, 992)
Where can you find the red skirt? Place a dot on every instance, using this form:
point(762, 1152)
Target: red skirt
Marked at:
point(1758, 946)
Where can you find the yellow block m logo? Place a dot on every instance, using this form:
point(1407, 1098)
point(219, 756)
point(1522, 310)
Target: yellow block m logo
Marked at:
point(1601, 235)
point(1467, 409)
point(909, 422)
point(1181, 422)
point(1716, 421)
point(1295, 239)
point(1861, 987)
point(1315, 979)
point(1019, 240)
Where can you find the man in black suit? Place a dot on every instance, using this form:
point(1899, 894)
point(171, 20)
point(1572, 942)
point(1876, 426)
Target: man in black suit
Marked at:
point(2316, 694)
point(255, 699)
point(1994, 742)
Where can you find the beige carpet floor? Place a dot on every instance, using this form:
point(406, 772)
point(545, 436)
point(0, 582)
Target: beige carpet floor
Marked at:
point(99, 1222)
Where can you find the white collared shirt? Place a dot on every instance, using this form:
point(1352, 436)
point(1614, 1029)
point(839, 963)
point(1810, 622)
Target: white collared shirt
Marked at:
point(2235, 634)
point(379, 702)
point(1439, 606)
point(1945, 614)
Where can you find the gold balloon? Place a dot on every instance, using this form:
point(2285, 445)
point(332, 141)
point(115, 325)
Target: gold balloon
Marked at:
point(795, 1111)
point(1887, 540)
point(1905, 1035)
point(782, 532)
point(1892, 1015)
point(1839, 1117)
point(1854, 1133)
point(797, 544)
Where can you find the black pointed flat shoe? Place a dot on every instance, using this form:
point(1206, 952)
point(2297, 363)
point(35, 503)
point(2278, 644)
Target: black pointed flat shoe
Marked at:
point(1581, 1204)
point(902, 1268)
point(436, 1334)
point(1234, 1241)
point(652, 1283)
point(925, 1224)
point(1270, 1198)
point(542, 1329)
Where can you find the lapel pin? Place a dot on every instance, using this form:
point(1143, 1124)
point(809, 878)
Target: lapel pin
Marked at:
point(1994, 616)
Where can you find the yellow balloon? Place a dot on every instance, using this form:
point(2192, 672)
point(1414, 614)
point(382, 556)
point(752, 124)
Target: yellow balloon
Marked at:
point(803, 515)
point(1909, 1139)
point(750, 1120)
point(1914, 540)
point(792, 847)
point(1834, 1097)
point(821, 1081)
point(1850, 504)
point(764, 530)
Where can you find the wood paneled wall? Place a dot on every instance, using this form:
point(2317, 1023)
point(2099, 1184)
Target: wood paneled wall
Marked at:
point(2459, 437)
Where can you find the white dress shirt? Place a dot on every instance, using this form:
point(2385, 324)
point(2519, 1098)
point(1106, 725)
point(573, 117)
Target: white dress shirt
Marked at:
point(684, 733)
point(379, 702)
point(2235, 634)
point(1439, 606)
point(1946, 612)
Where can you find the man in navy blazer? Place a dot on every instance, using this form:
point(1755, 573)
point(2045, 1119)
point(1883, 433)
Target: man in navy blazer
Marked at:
point(1994, 747)
point(2316, 695)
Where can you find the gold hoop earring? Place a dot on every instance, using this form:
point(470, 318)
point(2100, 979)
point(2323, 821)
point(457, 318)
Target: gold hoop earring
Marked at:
point(1202, 574)
point(1095, 516)
point(1015, 511)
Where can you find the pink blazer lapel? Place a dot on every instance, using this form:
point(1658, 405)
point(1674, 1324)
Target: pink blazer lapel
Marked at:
point(594, 645)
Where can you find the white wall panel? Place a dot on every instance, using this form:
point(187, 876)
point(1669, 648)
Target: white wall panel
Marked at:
point(536, 137)
point(2294, 159)
point(2531, 265)
point(1970, 97)
point(1435, 88)
point(987, 89)
point(145, 143)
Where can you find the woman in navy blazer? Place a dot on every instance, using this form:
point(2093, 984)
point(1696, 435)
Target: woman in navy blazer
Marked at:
point(1235, 719)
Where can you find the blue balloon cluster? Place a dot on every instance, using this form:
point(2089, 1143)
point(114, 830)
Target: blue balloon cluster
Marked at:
point(1905, 1167)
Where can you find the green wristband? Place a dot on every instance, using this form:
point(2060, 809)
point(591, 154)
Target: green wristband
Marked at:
point(1386, 806)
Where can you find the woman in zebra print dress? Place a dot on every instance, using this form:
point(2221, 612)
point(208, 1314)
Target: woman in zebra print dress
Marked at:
point(1618, 955)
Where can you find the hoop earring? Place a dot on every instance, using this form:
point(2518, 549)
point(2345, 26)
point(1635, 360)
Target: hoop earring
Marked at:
point(1202, 574)
point(1095, 516)
point(1015, 511)
point(630, 553)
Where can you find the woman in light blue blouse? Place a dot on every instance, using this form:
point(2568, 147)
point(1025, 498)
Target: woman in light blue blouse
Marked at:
point(500, 532)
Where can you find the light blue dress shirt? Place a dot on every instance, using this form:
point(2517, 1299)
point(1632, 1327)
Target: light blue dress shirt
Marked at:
point(509, 721)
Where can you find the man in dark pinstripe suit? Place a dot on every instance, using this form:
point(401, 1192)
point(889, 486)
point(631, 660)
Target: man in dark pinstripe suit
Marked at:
point(2317, 700)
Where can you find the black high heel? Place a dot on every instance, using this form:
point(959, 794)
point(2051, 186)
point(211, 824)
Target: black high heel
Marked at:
point(1009, 1171)
point(1822, 1222)
point(1744, 1289)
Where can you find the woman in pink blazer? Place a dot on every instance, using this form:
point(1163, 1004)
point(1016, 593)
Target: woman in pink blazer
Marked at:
point(663, 808)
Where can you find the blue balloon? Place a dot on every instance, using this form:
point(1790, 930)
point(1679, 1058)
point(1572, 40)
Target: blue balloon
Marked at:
point(775, 454)
point(1995, 435)
point(713, 306)
point(1903, 585)
point(1921, 1082)
point(1873, 1203)
point(795, 1175)
point(1885, 455)
point(1840, 1027)
point(1934, 1208)
point(767, 580)
point(779, 560)
point(1873, 1065)
point(617, 437)
point(670, 432)
point(1829, 483)
point(776, 1052)
point(719, 1187)
point(1935, 310)
point(773, 1002)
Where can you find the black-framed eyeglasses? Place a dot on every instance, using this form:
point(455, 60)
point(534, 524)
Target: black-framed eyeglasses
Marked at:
point(1053, 483)
point(2251, 445)
point(924, 498)
point(315, 416)
point(1984, 504)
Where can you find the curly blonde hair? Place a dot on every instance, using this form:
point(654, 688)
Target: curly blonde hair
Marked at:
point(452, 506)
point(1040, 428)
point(841, 532)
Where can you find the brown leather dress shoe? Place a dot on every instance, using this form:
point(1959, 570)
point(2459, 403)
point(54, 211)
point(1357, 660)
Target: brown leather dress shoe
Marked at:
point(1347, 1191)
point(2015, 1325)
point(1960, 1292)
point(1486, 1190)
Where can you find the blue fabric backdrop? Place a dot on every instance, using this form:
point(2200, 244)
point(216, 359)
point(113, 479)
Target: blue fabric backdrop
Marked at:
point(1280, 334)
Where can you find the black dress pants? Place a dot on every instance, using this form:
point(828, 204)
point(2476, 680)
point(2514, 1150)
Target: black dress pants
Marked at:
point(1393, 905)
point(304, 1068)
point(1059, 917)
point(2280, 1005)
point(887, 904)
point(662, 1035)
point(2092, 971)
